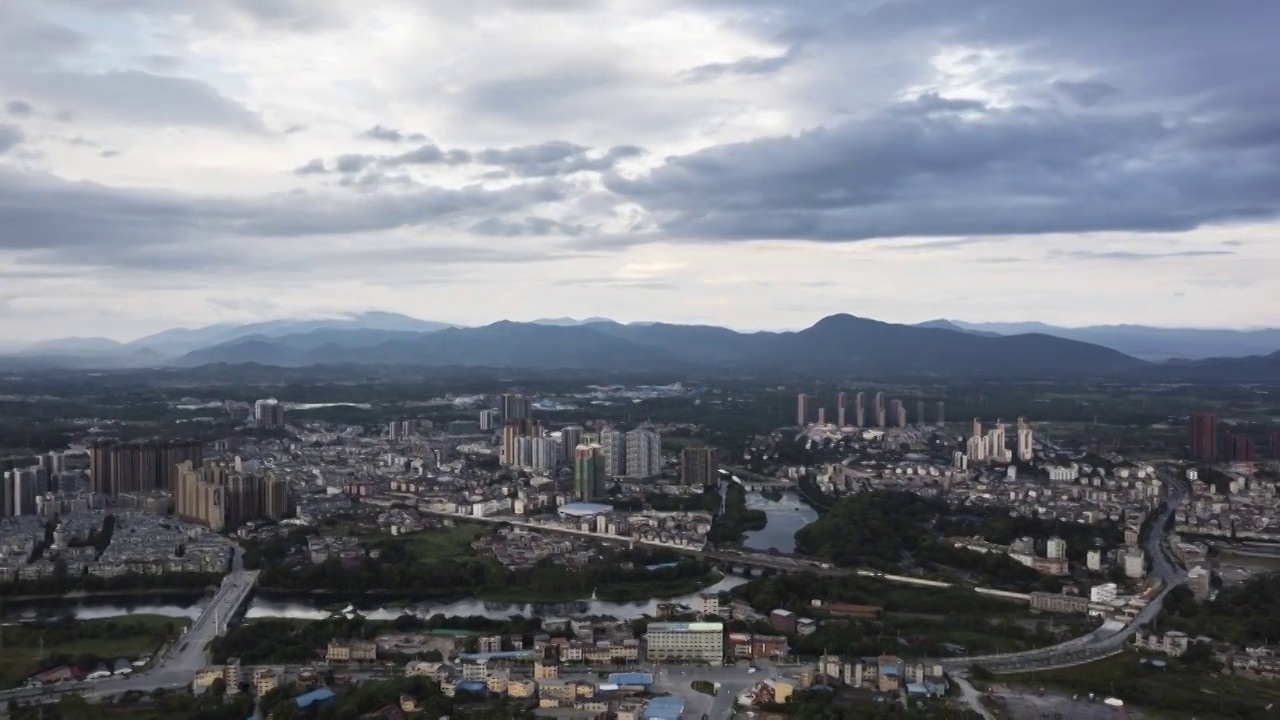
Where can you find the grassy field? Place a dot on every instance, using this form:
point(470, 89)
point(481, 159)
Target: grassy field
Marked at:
point(128, 637)
point(1178, 691)
point(445, 543)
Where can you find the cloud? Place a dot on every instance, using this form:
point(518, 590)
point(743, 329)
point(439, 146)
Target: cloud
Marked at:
point(50, 218)
point(313, 167)
point(1136, 256)
point(18, 108)
point(141, 98)
point(10, 136)
point(912, 171)
point(386, 134)
point(109, 153)
point(1086, 93)
point(543, 160)
point(617, 284)
point(753, 65)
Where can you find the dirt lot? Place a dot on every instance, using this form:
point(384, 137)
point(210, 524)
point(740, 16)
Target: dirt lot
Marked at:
point(1023, 704)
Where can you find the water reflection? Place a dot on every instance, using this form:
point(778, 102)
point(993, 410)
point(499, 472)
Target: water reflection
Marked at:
point(786, 516)
point(320, 608)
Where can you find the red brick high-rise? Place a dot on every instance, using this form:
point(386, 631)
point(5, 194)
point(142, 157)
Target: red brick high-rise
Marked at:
point(1204, 436)
point(1239, 448)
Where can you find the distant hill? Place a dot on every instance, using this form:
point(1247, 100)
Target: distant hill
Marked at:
point(837, 344)
point(184, 340)
point(569, 322)
point(943, 324)
point(1150, 343)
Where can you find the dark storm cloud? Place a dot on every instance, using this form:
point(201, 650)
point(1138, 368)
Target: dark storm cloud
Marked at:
point(18, 108)
point(386, 134)
point(915, 171)
point(10, 136)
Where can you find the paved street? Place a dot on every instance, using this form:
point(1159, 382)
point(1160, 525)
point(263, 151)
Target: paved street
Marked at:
point(181, 660)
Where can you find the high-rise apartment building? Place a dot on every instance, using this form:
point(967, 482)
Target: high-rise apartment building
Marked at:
point(803, 403)
point(1239, 448)
point(940, 414)
point(513, 431)
point(570, 439)
point(644, 454)
point(897, 413)
point(1026, 441)
point(1204, 436)
point(613, 445)
point(217, 497)
point(546, 454)
point(879, 410)
point(514, 407)
point(140, 466)
point(842, 402)
point(822, 416)
point(268, 414)
point(588, 473)
point(699, 466)
point(921, 420)
point(490, 419)
point(860, 409)
point(18, 491)
point(997, 447)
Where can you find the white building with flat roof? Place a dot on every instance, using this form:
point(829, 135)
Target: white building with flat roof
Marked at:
point(686, 642)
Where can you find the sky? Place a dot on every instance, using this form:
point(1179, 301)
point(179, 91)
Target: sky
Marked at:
point(756, 164)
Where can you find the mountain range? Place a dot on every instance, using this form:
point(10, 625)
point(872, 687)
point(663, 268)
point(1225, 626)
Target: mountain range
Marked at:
point(836, 345)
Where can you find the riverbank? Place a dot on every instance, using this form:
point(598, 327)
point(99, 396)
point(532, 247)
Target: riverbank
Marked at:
point(629, 592)
point(30, 648)
point(77, 595)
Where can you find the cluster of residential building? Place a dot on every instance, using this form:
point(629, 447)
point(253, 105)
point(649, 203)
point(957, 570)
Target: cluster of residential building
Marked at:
point(1243, 508)
point(140, 543)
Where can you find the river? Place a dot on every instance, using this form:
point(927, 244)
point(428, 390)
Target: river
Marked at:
point(314, 609)
point(784, 520)
point(786, 516)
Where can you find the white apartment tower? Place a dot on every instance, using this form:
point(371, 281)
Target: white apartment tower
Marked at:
point(1025, 448)
point(613, 445)
point(644, 454)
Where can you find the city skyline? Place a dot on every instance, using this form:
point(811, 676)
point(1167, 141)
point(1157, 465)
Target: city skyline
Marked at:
point(751, 166)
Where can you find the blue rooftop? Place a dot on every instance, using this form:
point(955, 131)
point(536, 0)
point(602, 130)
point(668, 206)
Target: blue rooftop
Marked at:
point(645, 679)
point(473, 686)
point(306, 700)
point(664, 708)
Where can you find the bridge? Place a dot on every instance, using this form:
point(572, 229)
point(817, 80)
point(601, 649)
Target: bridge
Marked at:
point(755, 482)
point(176, 665)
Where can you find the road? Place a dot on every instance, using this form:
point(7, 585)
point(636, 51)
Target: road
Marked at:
point(175, 667)
point(1100, 644)
point(970, 695)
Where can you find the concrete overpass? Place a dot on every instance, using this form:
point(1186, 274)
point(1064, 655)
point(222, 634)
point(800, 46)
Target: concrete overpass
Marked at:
point(1110, 638)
